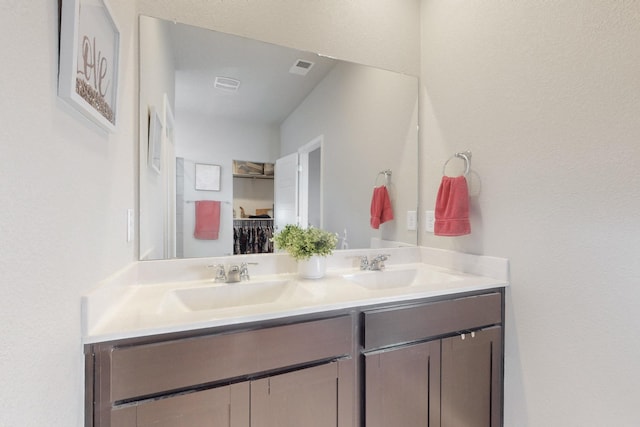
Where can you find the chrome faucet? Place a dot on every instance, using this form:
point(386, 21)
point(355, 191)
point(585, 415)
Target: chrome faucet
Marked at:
point(234, 274)
point(377, 263)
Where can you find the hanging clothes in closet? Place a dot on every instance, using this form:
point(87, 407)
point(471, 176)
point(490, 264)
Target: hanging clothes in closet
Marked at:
point(251, 236)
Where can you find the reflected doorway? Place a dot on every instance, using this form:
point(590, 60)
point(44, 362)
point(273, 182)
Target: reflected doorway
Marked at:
point(311, 183)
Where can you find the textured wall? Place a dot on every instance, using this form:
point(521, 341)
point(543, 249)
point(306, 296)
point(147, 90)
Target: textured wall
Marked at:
point(65, 186)
point(547, 96)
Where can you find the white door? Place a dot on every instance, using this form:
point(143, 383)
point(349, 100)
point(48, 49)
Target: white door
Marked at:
point(285, 191)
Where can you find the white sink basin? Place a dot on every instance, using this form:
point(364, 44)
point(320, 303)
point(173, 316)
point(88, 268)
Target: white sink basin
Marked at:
point(385, 279)
point(400, 278)
point(220, 296)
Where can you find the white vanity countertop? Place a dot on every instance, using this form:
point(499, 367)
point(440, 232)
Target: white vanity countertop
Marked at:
point(136, 303)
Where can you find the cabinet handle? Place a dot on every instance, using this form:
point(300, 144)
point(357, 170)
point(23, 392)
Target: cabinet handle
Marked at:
point(464, 335)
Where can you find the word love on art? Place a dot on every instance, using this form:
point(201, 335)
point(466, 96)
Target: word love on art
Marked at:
point(92, 82)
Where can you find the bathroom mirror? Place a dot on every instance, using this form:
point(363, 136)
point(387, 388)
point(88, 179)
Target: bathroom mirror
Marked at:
point(225, 100)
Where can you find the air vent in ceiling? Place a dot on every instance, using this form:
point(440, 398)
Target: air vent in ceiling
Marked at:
point(227, 83)
point(301, 67)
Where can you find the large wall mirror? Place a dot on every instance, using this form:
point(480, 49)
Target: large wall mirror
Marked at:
point(280, 136)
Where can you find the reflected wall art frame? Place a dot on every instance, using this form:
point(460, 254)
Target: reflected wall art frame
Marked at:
point(207, 177)
point(89, 60)
point(156, 130)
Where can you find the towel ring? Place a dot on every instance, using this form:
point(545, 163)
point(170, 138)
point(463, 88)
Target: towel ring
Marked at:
point(386, 173)
point(464, 155)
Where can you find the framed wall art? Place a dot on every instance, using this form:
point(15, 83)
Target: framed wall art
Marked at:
point(89, 60)
point(207, 177)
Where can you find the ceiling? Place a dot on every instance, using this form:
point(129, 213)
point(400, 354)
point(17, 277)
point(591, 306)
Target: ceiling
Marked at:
point(268, 92)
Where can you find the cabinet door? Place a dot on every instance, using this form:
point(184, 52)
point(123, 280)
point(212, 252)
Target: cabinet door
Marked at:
point(402, 386)
point(471, 390)
point(304, 398)
point(224, 406)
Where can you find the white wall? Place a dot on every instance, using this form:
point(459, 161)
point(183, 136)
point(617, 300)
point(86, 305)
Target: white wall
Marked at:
point(66, 186)
point(546, 95)
point(343, 108)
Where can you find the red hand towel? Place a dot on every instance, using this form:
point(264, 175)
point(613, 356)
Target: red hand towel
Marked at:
point(207, 220)
point(381, 210)
point(452, 207)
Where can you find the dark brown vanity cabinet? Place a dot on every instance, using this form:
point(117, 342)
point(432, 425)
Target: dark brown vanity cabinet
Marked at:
point(300, 374)
point(399, 383)
point(221, 406)
point(434, 362)
point(443, 368)
point(307, 397)
point(471, 379)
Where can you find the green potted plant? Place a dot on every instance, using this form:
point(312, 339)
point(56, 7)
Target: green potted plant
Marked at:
point(309, 246)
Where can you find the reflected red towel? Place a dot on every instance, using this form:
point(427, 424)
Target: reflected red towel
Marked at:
point(207, 220)
point(381, 210)
point(452, 207)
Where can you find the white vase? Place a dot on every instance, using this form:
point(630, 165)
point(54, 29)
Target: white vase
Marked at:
point(313, 268)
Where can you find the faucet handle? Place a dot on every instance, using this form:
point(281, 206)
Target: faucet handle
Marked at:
point(244, 270)
point(378, 262)
point(220, 276)
point(364, 262)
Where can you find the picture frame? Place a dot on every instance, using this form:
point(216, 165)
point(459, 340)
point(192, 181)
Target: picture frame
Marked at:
point(89, 60)
point(207, 177)
point(156, 129)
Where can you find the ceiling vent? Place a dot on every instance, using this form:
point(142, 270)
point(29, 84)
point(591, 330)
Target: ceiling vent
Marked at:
point(301, 67)
point(227, 84)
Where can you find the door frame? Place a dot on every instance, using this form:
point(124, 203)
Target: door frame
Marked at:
point(303, 188)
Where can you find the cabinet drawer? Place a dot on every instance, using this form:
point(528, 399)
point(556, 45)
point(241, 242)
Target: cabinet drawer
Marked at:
point(154, 368)
point(399, 325)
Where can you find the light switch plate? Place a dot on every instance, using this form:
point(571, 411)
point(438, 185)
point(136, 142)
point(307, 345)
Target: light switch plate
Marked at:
point(429, 221)
point(412, 220)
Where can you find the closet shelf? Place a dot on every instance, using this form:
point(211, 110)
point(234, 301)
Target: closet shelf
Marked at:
point(254, 176)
